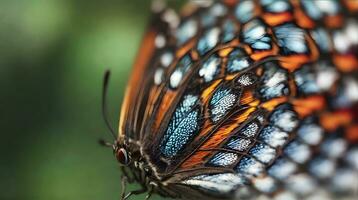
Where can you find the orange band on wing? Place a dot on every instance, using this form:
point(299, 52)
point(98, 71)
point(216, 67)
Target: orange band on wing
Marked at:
point(346, 63)
point(332, 121)
point(186, 48)
point(352, 5)
point(164, 106)
point(352, 133)
point(307, 106)
point(271, 104)
point(259, 55)
point(247, 97)
point(302, 19)
point(225, 52)
point(334, 21)
point(209, 91)
point(145, 53)
point(293, 62)
point(276, 19)
point(216, 139)
point(230, 2)
point(206, 95)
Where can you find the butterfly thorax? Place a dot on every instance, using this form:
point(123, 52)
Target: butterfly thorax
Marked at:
point(140, 170)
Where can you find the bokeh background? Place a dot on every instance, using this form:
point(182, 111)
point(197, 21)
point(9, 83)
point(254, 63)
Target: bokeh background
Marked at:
point(53, 54)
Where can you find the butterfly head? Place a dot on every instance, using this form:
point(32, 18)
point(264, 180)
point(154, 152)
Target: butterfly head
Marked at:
point(121, 154)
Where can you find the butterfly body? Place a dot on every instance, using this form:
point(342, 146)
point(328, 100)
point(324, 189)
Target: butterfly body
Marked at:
point(241, 99)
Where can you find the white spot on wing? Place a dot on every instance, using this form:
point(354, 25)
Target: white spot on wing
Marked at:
point(224, 159)
point(352, 89)
point(265, 184)
point(329, 7)
point(239, 144)
point(326, 76)
point(263, 153)
point(282, 169)
point(276, 79)
point(158, 76)
point(345, 180)
point(322, 167)
point(273, 136)
point(347, 37)
point(341, 42)
point(352, 31)
point(186, 31)
point(301, 184)
point(310, 133)
point(208, 40)
point(250, 167)
point(285, 195)
point(209, 69)
point(334, 148)
point(352, 157)
point(222, 183)
point(250, 130)
point(166, 59)
point(286, 120)
point(298, 152)
point(171, 17)
point(160, 41)
point(175, 78)
point(246, 80)
point(218, 10)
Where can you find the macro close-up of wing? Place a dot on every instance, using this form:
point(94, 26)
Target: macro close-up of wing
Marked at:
point(247, 99)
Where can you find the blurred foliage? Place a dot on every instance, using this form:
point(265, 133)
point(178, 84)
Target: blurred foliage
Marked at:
point(53, 54)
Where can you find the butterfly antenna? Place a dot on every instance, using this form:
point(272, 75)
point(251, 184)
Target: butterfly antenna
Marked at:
point(104, 102)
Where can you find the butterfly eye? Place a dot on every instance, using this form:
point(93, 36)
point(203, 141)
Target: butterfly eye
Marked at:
point(122, 156)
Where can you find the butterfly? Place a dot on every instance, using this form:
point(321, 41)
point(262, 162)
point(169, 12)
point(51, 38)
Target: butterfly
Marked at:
point(244, 99)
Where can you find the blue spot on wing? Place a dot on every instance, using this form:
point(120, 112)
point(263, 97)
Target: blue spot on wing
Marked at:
point(238, 60)
point(244, 11)
point(284, 118)
point(181, 70)
point(322, 39)
point(274, 82)
point(248, 166)
point(316, 10)
point(208, 40)
point(312, 10)
point(186, 31)
point(224, 159)
point(210, 68)
point(273, 136)
point(239, 144)
point(263, 153)
point(229, 29)
point(282, 169)
point(222, 101)
point(250, 130)
point(255, 34)
point(291, 39)
point(182, 127)
point(276, 6)
point(306, 81)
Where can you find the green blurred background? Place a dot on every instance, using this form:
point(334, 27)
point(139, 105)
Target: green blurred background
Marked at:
point(53, 54)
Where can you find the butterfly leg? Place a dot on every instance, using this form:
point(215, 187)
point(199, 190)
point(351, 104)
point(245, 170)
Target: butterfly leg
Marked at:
point(136, 192)
point(124, 185)
point(149, 193)
point(126, 174)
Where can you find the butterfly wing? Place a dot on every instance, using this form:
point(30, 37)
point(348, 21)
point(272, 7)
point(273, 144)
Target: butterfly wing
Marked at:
point(246, 100)
point(146, 72)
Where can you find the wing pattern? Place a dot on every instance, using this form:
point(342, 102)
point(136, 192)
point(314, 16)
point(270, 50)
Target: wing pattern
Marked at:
point(252, 96)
